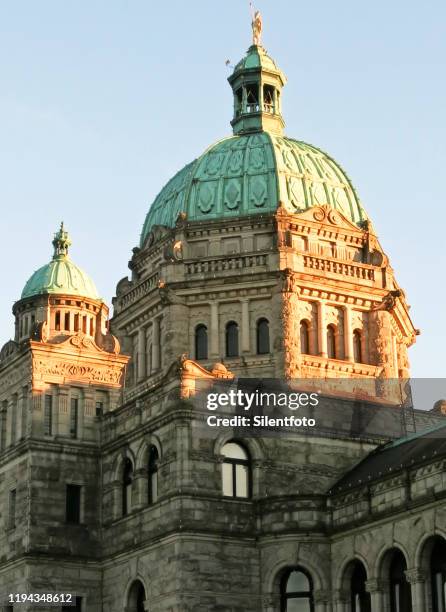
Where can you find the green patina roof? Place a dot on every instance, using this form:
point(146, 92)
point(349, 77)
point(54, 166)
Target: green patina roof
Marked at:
point(256, 57)
point(60, 275)
point(250, 174)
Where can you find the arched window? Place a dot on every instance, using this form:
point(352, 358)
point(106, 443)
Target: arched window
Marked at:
point(360, 599)
point(236, 471)
point(297, 591)
point(357, 346)
point(304, 338)
point(400, 592)
point(262, 337)
point(136, 597)
point(152, 469)
point(201, 342)
point(438, 575)
point(331, 342)
point(232, 339)
point(127, 481)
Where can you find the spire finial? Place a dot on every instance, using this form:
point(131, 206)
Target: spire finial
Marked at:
point(61, 242)
point(256, 25)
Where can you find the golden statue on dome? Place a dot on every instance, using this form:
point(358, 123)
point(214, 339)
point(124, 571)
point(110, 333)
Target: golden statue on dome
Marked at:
point(256, 25)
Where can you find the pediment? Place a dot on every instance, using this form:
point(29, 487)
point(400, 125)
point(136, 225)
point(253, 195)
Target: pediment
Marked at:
point(325, 214)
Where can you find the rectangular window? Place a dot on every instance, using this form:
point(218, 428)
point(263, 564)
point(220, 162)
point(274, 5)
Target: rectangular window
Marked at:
point(48, 416)
point(73, 504)
point(12, 508)
point(99, 408)
point(74, 416)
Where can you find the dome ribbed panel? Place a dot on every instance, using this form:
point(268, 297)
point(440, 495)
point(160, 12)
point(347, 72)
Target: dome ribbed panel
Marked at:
point(60, 275)
point(250, 174)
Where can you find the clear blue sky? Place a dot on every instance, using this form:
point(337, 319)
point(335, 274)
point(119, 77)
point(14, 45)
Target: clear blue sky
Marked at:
point(103, 101)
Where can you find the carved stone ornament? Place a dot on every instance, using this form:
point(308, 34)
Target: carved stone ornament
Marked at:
point(167, 296)
point(106, 374)
point(389, 301)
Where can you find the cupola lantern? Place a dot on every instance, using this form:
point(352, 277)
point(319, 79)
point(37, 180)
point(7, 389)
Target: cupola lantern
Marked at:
point(257, 84)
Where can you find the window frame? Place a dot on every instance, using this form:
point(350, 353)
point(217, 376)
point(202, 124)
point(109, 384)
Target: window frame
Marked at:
point(232, 325)
point(259, 340)
point(233, 462)
point(331, 344)
point(357, 346)
point(126, 485)
point(152, 470)
point(73, 486)
point(285, 596)
point(201, 327)
point(304, 325)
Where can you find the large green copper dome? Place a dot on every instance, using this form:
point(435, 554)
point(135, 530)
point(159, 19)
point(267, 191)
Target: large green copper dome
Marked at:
point(250, 174)
point(257, 169)
point(60, 275)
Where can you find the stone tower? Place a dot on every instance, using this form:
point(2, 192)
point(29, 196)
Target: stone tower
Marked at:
point(59, 375)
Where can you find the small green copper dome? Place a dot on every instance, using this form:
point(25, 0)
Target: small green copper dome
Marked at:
point(250, 174)
point(60, 275)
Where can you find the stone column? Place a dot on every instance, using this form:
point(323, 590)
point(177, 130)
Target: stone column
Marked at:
point(156, 344)
point(246, 345)
point(378, 590)
point(321, 599)
point(348, 334)
point(140, 491)
point(141, 366)
point(214, 336)
point(417, 579)
point(340, 601)
point(321, 329)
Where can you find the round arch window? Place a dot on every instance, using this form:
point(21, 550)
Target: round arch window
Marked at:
point(297, 591)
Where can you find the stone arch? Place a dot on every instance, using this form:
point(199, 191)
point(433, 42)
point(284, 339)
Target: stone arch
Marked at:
point(141, 453)
point(382, 563)
point(256, 454)
point(277, 571)
point(118, 462)
point(254, 447)
point(424, 548)
point(132, 595)
point(343, 571)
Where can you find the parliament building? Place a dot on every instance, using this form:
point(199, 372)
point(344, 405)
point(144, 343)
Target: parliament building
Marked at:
point(256, 261)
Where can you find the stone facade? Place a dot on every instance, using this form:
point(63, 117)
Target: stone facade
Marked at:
point(306, 295)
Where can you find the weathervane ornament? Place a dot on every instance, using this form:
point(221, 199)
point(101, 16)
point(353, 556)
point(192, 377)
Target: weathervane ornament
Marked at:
point(256, 25)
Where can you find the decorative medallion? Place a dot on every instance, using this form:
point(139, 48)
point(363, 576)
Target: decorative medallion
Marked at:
point(206, 197)
point(232, 197)
point(296, 193)
point(256, 158)
point(236, 162)
point(258, 191)
point(213, 163)
point(288, 158)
